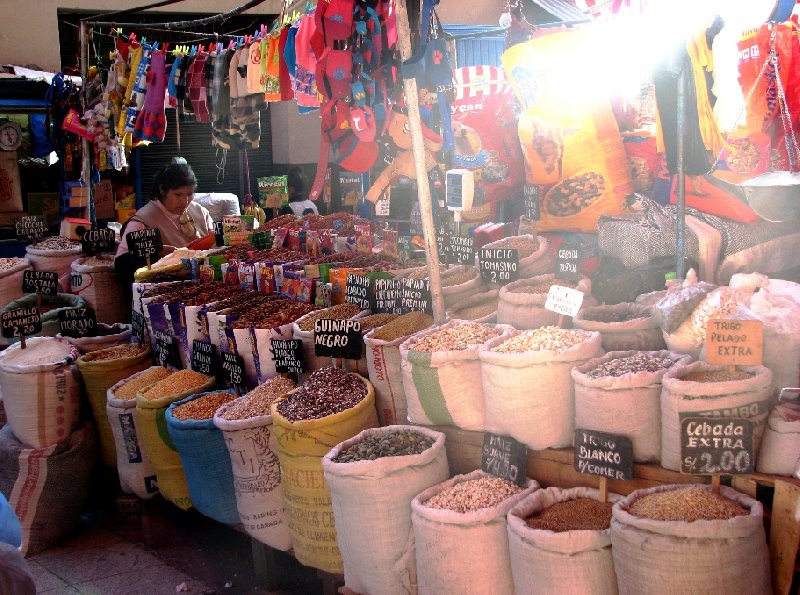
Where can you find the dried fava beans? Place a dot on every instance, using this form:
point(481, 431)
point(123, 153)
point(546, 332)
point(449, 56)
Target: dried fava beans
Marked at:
point(388, 444)
point(542, 287)
point(176, 383)
point(259, 401)
point(456, 338)
point(326, 392)
point(203, 407)
point(147, 378)
point(338, 312)
point(716, 376)
point(9, 263)
point(374, 321)
point(474, 494)
point(56, 243)
point(581, 514)
point(640, 362)
point(688, 505)
point(404, 325)
point(546, 338)
point(116, 352)
point(524, 246)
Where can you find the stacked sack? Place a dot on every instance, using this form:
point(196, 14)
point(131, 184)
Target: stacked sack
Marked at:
point(95, 280)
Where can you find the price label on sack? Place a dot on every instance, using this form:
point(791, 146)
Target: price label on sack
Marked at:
point(41, 282)
point(144, 243)
point(462, 250)
point(568, 262)
point(357, 290)
point(21, 322)
point(502, 456)
point(337, 338)
point(204, 357)
point(166, 354)
point(416, 296)
point(137, 327)
point(77, 322)
point(603, 454)
point(31, 227)
point(233, 367)
point(563, 300)
point(499, 265)
point(387, 296)
point(98, 240)
point(287, 355)
point(443, 236)
point(713, 446)
point(734, 342)
point(532, 200)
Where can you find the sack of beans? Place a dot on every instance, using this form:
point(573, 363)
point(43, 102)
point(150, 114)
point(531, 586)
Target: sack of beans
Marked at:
point(458, 282)
point(620, 393)
point(151, 406)
point(107, 336)
point(100, 370)
point(780, 446)
point(56, 255)
point(535, 256)
point(279, 325)
point(331, 406)
point(382, 347)
point(480, 307)
point(303, 329)
point(527, 387)
point(460, 534)
point(41, 390)
point(136, 473)
point(522, 302)
point(51, 306)
point(95, 280)
point(381, 470)
point(442, 374)
point(246, 424)
point(622, 327)
point(368, 323)
point(47, 487)
point(559, 542)
point(11, 272)
point(685, 539)
point(701, 390)
point(204, 456)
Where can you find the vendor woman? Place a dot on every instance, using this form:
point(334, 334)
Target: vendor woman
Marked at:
point(172, 211)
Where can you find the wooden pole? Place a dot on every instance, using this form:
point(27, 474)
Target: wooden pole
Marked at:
point(603, 490)
point(715, 483)
point(418, 148)
point(86, 149)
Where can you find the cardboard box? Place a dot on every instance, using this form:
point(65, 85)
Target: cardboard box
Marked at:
point(70, 227)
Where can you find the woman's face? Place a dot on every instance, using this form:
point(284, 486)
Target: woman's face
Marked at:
point(177, 200)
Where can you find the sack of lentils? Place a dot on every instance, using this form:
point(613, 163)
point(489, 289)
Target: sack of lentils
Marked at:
point(620, 393)
point(382, 347)
point(442, 374)
point(700, 389)
point(204, 456)
point(41, 390)
point(55, 254)
point(780, 447)
point(331, 406)
point(527, 387)
point(381, 470)
point(246, 424)
point(522, 302)
point(102, 369)
point(11, 272)
point(460, 534)
point(480, 307)
point(107, 335)
point(303, 329)
point(622, 327)
point(559, 542)
point(151, 407)
point(95, 280)
point(535, 256)
point(136, 473)
point(683, 539)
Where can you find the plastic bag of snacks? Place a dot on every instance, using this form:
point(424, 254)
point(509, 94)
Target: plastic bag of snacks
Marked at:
point(622, 327)
point(522, 302)
point(381, 470)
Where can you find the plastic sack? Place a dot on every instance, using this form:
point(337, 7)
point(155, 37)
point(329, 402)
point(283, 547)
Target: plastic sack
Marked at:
point(676, 307)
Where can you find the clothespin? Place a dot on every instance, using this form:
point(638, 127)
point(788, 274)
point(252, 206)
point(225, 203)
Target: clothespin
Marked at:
point(132, 37)
point(248, 38)
point(202, 48)
point(231, 44)
point(165, 48)
point(263, 31)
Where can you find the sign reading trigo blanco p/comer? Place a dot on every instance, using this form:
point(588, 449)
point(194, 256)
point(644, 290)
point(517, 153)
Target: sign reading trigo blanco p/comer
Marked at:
point(606, 455)
point(734, 342)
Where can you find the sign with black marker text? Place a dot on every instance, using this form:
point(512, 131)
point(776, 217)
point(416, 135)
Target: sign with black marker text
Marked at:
point(502, 456)
point(563, 300)
point(603, 454)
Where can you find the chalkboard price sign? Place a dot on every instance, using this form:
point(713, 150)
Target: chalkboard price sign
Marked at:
point(204, 357)
point(568, 262)
point(532, 198)
point(443, 236)
point(31, 227)
point(21, 322)
point(462, 250)
point(504, 457)
point(98, 240)
point(137, 327)
point(144, 243)
point(42, 282)
point(606, 455)
point(712, 446)
point(166, 351)
point(357, 290)
point(499, 265)
point(77, 322)
point(287, 355)
point(416, 296)
point(387, 296)
point(233, 367)
point(337, 338)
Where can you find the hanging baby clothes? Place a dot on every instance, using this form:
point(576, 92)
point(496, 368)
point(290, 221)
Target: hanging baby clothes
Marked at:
point(135, 58)
point(196, 87)
point(246, 107)
point(209, 79)
point(306, 64)
point(255, 79)
point(272, 83)
point(139, 88)
point(287, 93)
point(172, 81)
point(290, 56)
point(151, 123)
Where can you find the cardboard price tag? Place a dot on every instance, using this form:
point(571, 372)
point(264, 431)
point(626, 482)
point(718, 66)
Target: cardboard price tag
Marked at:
point(31, 227)
point(337, 338)
point(712, 446)
point(606, 455)
point(166, 354)
point(144, 243)
point(77, 322)
point(416, 296)
point(734, 342)
point(138, 329)
point(204, 357)
point(568, 263)
point(233, 367)
point(21, 322)
point(287, 355)
point(357, 290)
point(387, 296)
point(499, 265)
point(462, 250)
point(502, 456)
point(563, 300)
point(98, 240)
point(41, 282)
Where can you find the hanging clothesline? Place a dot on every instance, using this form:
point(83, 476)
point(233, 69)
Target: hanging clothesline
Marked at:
point(183, 24)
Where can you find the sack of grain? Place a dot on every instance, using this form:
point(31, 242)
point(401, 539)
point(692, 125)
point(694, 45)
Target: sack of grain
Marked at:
point(701, 390)
point(263, 350)
point(56, 255)
point(465, 552)
point(780, 447)
point(535, 256)
point(102, 369)
point(480, 307)
point(11, 273)
point(458, 282)
point(107, 336)
point(41, 390)
point(665, 557)
point(622, 327)
point(567, 560)
point(522, 302)
point(527, 387)
point(378, 548)
point(620, 393)
point(50, 308)
point(95, 280)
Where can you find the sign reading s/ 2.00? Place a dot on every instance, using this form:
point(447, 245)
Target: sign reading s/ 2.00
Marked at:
point(711, 446)
point(462, 250)
point(502, 456)
point(606, 455)
point(41, 282)
point(21, 322)
point(77, 322)
point(499, 265)
point(98, 240)
point(337, 338)
point(144, 243)
point(734, 342)
point(287, 355)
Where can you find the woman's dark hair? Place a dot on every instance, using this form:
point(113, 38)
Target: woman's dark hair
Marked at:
point(173, 176)
point(295, 180)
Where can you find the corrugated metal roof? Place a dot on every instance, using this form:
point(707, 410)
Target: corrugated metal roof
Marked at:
point(561, 9)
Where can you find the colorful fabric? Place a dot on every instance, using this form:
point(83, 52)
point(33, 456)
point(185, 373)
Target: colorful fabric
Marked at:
point(272, 80)
point(151, 123)
point(287, 93)
point(196, 87)
point(135, 58)
point(255, 78)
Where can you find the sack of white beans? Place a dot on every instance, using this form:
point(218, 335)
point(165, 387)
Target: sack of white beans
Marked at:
point(522, 302)
point(623, 327)
point(780, 447)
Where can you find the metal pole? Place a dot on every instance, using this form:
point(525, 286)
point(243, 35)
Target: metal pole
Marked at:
point(680, 247)
point(86, 149)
